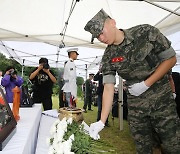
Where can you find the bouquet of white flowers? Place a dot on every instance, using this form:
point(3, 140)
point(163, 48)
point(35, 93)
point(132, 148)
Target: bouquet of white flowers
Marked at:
point(68, 137)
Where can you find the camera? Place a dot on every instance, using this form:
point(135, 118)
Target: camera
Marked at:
point(46, 66)
point(11, 72)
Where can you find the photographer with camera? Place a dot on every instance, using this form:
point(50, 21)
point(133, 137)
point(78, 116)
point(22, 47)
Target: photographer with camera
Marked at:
point(10, 81)
point(43, 78)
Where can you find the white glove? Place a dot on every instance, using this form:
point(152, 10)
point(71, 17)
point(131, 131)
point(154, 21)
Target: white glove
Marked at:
point(137, 88)
point(95, 128)
point(174, 95)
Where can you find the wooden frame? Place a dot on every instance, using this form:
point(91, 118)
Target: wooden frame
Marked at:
point(7, 121)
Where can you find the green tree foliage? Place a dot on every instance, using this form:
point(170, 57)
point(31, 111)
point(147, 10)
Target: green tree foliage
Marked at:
point(5, 62)
point(80, 82)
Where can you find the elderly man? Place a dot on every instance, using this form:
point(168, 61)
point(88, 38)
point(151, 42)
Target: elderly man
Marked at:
point(142, 56)
point(70, 87)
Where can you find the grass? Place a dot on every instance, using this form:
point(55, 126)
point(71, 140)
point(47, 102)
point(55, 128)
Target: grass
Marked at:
point(120, 142)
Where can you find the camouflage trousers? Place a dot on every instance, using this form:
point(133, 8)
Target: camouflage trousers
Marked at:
point(153, 118)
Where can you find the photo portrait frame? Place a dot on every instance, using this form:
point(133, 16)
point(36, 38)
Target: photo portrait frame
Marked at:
point(7, 121)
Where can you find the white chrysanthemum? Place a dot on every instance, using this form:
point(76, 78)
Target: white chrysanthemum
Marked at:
point(71, 137)
point(53, 129)
point(58, 130)
point(60, 134)
point(57, 122)
point(62, 126)
point(51, 150)
point(59, 148)
point(69, 121)
point(67, 146)
point(48, 141)
point(55, 141)
point(55, 146)
point(64, 119)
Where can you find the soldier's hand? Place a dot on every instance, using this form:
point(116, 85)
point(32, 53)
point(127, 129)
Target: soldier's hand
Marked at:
point(95, 128)
point(137, 88)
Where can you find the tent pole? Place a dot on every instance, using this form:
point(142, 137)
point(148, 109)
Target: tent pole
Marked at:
point(162, 7)
point(86, 70)
point(22, 72)
point(120, 103)
point(166, 17)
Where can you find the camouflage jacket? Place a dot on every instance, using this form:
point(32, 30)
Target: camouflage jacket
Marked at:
point(136, 58)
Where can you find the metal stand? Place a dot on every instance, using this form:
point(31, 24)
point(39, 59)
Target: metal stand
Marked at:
point(120, 103)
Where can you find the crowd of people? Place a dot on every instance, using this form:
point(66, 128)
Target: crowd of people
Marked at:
point(42, 78)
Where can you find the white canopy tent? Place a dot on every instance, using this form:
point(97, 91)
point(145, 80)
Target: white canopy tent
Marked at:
point(30, 29)
point(47, 28)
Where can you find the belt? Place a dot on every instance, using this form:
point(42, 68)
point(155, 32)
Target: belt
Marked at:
point(66, 81)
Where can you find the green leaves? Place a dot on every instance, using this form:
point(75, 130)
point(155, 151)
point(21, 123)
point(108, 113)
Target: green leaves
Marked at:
point(82, 141)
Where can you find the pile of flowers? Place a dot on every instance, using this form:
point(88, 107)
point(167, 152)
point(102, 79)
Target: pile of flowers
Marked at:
point(68, 137)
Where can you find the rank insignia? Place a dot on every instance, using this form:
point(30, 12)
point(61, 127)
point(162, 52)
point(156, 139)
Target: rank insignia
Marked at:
point(117, 59)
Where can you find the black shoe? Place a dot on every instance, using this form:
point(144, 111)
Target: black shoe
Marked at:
point(90, 109)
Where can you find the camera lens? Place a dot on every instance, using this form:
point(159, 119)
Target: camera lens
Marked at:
point(46, 66)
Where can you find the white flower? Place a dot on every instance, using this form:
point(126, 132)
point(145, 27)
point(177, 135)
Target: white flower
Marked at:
point(59, 148)
point(48, 141)
point(63, 124)
point(63, 120)
point(60, 134)
point(69, 121)
point(55, 141)
point(57, 122)
point(51, 150)
point(72, 137)
point(53, 129)
point(67, 146)
point(57, 132)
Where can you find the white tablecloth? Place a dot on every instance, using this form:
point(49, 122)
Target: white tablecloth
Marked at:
point(25, 139)
point(44, 133)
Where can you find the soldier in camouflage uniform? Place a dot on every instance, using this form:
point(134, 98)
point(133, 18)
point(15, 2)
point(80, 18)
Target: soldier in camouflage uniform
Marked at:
point(142, 56)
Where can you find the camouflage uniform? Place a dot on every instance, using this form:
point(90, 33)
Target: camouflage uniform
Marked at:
point(135, 59)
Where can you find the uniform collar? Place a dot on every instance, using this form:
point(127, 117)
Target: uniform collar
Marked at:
point(71, 59)
point(128, 38)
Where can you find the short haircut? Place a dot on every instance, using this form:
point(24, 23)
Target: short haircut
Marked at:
point(43, 60)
